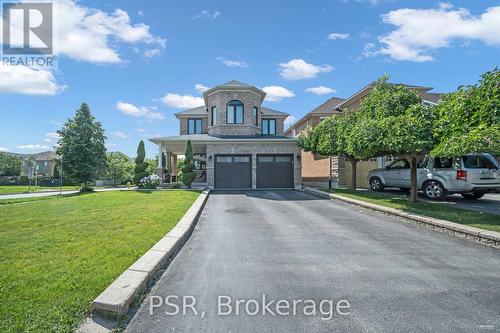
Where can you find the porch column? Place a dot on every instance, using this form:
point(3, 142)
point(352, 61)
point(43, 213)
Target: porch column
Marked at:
point(174, 166)
point(159, 170)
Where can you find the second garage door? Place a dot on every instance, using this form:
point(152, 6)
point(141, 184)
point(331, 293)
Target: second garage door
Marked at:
point(233, 171)
point(275, 171)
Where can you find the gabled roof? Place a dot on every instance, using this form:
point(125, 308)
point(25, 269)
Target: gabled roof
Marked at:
point(327, 108)
point(366, 89)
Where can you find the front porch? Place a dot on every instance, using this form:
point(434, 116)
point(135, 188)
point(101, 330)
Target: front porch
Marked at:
point(170, 151)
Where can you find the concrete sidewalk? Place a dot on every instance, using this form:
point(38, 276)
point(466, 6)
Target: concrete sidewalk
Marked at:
point(49, 194)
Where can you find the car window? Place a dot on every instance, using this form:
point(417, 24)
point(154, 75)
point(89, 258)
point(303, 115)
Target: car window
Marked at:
point(423, 164)
point(443, 162)
point(479, 162)
point(400, 164)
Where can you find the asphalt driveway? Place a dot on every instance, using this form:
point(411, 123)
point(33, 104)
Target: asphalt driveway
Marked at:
point(292, 246)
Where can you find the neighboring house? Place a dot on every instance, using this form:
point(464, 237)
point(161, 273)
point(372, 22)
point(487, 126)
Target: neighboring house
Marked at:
point(43, 163)
point(320, 170)
point(237, 143)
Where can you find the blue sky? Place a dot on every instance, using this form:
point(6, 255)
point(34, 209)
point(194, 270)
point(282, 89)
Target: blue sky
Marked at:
point(136, 63)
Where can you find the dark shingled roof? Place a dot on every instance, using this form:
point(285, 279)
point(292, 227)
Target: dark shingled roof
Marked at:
point(328, 106)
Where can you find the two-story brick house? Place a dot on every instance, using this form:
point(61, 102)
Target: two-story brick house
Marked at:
point(236, 141)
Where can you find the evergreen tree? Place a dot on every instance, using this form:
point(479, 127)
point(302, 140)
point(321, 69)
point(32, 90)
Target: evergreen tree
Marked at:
point(141, 167)
point(187, 172)
point(82, 146)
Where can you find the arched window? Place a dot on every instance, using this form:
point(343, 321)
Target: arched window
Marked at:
point(234, 112)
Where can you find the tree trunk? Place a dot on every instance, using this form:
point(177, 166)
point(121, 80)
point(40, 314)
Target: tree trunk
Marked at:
point(354, 163)
point(413, 179)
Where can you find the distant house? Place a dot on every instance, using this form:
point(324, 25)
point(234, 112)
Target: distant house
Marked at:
point(44, 163)
point(317, 169)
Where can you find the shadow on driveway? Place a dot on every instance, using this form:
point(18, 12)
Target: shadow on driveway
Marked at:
point(276, 195)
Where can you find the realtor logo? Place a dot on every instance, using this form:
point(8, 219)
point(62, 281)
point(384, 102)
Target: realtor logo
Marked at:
point(27, 28)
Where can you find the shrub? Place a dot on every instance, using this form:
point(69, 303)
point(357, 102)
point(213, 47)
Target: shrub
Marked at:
point(187, 172)
point(149, 182)
point(140, 170)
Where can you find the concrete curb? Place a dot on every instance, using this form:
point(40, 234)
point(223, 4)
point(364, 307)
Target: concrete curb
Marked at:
point(489, 238)
point(115, 301)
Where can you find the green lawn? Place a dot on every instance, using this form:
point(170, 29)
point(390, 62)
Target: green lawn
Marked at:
point(11, 189)
point(399, 201)
point(58, 254)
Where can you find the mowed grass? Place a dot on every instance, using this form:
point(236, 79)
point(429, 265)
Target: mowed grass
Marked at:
point(11, 189)
point(399, 201)
point(58, 254)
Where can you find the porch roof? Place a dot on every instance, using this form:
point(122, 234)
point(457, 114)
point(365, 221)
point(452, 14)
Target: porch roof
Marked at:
point(177, 144)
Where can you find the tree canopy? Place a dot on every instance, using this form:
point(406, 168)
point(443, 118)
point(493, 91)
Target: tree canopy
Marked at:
point(10, 165)
point(119, 167)
point(469, 119)
point(81, 145)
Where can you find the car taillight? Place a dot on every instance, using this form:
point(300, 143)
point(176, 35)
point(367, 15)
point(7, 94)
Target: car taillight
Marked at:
point(461, 175)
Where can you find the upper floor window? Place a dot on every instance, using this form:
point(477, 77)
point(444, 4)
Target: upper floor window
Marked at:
point(234, 112)
point(213, 116)
point(268, 126)
point(256, 115)
point(194, 126)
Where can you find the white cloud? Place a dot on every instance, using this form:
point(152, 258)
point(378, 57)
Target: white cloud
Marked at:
point(232, 63)
point(92, 35)
point(3, 149)
point(120, 135)
point(297, 69)
point(277, 93)
point(182, 101)
point(320, 90)
point(151, 53)
point(337, 35)
point(110, 145)
point(201, 88)
point(27, 81)
point(207, 14)
point(140, 12)
point(420, 31)
point(33, 147)
point(52, 137)
point(141, 130)
point(135, 111)
point(289, 121)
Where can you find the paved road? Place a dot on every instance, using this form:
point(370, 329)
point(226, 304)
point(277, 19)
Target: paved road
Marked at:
point(288, 245)
point(52, 193)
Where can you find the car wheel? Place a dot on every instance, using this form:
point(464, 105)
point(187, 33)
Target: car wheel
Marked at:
point(404, 189)
point(433, 190)
point(376, 184)
point(473, 195)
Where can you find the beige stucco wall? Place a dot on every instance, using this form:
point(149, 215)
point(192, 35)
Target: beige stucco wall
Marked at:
point(362, 169)
point(253, 149)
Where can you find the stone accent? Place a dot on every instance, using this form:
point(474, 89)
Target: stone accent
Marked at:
point(254, 148)
point(220, 98)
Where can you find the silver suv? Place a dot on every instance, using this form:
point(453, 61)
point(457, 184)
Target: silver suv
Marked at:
point(471, 176)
